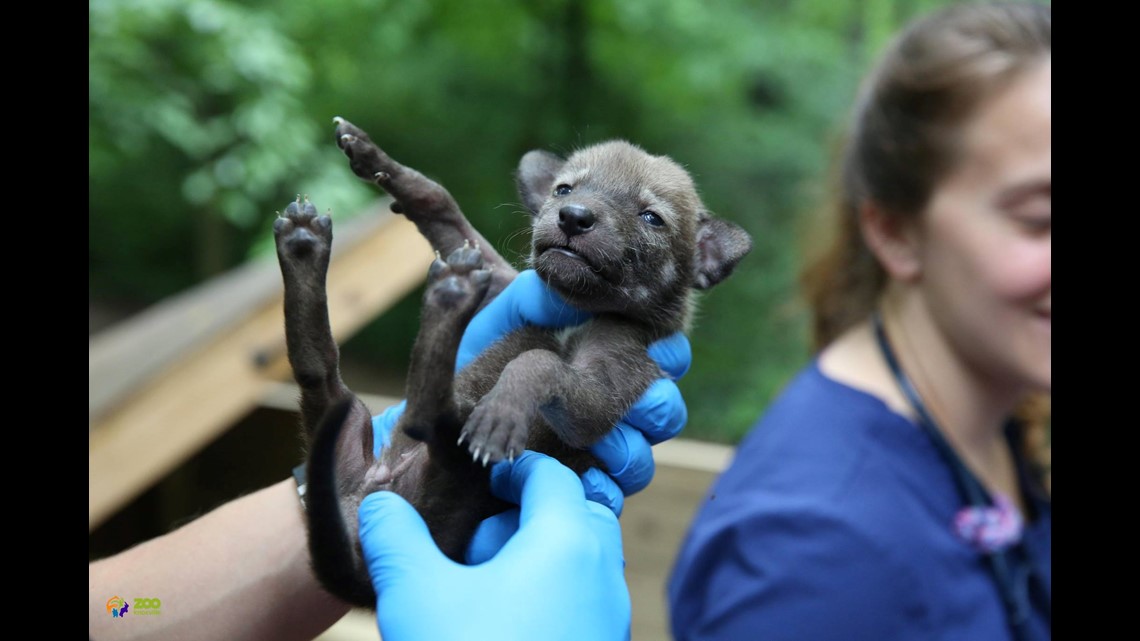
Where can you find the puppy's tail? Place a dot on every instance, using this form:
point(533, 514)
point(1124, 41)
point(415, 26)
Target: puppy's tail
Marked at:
point(334, 547)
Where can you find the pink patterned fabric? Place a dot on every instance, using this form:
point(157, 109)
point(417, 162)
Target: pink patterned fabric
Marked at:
point(992, 528)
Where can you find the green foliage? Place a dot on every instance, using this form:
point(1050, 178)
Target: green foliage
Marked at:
point(197, 126)
point(208, 116)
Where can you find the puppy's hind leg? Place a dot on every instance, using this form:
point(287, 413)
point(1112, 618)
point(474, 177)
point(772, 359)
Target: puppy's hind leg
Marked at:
point(304, 244)
point(425, 202)
point(456, 288)
point(337, 426)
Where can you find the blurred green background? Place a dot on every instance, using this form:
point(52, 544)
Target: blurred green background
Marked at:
point(208, 116)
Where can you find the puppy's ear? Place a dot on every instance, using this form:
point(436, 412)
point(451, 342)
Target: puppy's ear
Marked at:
point(535, 177)
point(720, 246)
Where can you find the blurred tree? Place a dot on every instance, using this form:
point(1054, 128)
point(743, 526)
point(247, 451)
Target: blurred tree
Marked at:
point(197, 124)
point(205, 117)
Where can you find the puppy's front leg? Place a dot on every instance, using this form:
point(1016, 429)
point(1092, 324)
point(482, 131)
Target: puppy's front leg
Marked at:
point(581, 395)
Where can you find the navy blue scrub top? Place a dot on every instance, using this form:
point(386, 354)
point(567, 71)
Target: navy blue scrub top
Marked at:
point(835, 521)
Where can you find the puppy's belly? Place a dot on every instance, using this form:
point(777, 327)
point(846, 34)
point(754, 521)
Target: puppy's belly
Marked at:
point(451, 501)
point(398, 468)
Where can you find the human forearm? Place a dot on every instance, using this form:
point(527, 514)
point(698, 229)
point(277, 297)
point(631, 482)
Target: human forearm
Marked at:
point(239, 572)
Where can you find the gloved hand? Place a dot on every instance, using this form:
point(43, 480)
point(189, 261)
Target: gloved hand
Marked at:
point(561, 576)
point(657, 416)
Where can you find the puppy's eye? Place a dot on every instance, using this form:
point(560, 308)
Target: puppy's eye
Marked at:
point(561, 190)
point(652, 218)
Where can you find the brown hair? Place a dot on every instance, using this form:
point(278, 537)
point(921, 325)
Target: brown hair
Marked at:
point(901, 141)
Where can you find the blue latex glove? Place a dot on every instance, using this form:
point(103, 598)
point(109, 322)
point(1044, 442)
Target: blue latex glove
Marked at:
point(561, 576)
point(525, 301)
point(657, 416)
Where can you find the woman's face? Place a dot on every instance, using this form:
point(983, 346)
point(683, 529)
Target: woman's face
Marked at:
point(985, 238)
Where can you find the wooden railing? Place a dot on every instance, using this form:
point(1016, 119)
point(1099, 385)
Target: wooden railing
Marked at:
point(168, 381)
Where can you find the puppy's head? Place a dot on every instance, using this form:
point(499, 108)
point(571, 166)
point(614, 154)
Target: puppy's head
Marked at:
point(618, 230)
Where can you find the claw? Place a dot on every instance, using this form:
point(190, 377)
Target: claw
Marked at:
point(347, 137)
point(338, 120)
point(475, 454)
point(462, 436)
point(382, 176)
point(486, 456)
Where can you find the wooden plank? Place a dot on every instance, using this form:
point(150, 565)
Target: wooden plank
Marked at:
point(129, 353)
point(284, 396)
point(177, 411)
point(689, 454)
point(125, 355)
point(653, 526)
point(357, 625)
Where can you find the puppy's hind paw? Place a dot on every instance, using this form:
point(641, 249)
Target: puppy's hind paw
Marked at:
point(346, 132)
point(466, 259)
point(301, 233)
point(458, 282)
point(365, 159)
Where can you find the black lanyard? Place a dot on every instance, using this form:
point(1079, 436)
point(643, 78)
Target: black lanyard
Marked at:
point(1012, 576)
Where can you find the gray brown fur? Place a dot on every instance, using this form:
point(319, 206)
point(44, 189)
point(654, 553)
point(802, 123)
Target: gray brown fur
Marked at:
point(550, 391)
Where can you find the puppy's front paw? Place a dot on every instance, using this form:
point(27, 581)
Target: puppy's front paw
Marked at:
point(302, 235)
point(496, 430)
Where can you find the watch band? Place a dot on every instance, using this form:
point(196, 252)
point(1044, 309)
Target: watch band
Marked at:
point(300, 477)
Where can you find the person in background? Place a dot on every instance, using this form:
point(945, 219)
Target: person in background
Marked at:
point(897, 488)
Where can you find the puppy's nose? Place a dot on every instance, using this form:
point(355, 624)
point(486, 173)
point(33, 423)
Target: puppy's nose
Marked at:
point(575, 219)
